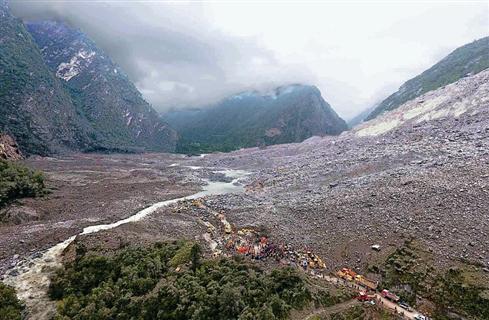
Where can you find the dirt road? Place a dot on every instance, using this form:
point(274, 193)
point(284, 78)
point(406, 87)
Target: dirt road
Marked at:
point(387, 304)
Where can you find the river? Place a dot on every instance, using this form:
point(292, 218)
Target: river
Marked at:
point(31, 277)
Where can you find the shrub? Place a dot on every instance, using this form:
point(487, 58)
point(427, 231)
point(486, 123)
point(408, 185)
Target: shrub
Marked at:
point(10, 306)
point(18, 181)
point(452, 292)
point(410, 267)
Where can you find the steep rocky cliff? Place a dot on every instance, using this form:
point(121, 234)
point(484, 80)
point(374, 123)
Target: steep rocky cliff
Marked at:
point(101, 90)
point(34, 107)
point(9, 150)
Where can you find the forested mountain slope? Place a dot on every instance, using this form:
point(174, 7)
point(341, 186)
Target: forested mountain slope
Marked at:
point(287, 114)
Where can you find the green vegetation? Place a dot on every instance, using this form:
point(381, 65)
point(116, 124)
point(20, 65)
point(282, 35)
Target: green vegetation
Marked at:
point(142, 283)
point(18, 181)
point(453, 292)
point(358, 312)
point(250, 120)
point(409, 272)
point(195, 148)
point(361, 312)
point(10, 306)
point(188, 252)
point(471, 58)
point(354, 313)
point(324, 298)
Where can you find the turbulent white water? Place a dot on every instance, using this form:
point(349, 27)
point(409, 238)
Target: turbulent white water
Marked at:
point(30, 278)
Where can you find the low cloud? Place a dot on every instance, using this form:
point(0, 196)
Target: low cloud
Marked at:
point(192, 54)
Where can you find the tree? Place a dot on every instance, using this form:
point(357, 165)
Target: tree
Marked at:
point(195, 253)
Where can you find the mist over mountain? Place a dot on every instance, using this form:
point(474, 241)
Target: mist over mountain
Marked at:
point(286, 114)
point(197, 54)
point(252, 198)
point(101, 89)
point(36, 108)
point(61, 93)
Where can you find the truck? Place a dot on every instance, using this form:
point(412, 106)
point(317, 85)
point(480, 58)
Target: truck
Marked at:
point(347, 274)
point(389, 295)
point(364, 297)
point(367, 283)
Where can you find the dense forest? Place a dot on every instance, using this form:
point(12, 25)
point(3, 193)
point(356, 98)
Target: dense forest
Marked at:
point(174, 281)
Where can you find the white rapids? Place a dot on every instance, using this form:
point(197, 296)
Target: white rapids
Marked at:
point(31, 277)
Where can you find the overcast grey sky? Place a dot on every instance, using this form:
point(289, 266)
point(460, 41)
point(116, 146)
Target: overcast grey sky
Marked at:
point(183, 54)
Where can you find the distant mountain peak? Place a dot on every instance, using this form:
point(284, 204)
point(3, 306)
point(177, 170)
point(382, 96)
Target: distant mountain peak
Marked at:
point(251, 118)
point(273, 93)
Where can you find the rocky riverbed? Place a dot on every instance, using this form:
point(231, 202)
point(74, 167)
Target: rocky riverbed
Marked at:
point(88, 189)
point(31, 277)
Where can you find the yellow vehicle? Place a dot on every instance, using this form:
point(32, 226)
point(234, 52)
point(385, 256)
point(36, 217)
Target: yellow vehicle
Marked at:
point(369, 284)
point(347, 274)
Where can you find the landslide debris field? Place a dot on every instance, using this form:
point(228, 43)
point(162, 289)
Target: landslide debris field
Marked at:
point(422, 179)
point(326, 200)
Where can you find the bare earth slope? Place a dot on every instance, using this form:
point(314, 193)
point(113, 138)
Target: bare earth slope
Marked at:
point(466, 60)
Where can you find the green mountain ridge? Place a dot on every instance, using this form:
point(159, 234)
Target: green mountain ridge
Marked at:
point(288, 114)
point(469, 59)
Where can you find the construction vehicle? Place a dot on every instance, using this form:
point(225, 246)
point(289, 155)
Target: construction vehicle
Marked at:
point(364, 297)
point(315, 261)
point(198, 203)
point(367, 283)
point(389, 295)
point(347, 274)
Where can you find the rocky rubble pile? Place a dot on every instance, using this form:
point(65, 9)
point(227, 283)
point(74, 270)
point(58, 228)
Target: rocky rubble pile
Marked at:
point(426, 178)
point(9, 150)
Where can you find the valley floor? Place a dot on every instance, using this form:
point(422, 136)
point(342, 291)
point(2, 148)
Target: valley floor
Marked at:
point(87, 189)
point(335, 197)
